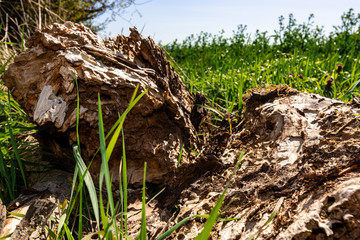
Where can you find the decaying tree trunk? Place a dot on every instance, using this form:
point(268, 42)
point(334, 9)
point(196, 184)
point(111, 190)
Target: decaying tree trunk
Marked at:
point(42, 80)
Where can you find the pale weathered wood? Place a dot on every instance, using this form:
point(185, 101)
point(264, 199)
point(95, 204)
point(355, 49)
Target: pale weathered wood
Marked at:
point(37, 205)
point(2, 217)
point(32, 225)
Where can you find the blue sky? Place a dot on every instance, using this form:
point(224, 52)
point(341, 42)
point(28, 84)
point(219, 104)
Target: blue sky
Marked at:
point(167, 20)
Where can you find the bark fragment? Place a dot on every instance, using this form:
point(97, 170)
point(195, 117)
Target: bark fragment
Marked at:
point(38, 204)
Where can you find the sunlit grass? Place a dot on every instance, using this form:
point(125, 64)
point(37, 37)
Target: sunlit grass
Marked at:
point(13, 122)
point(298, 55)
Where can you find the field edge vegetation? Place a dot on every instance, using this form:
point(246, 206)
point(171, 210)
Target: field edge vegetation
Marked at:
point(299, 55)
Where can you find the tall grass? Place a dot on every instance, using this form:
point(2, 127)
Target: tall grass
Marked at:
point(298, 55)
point(13, 122)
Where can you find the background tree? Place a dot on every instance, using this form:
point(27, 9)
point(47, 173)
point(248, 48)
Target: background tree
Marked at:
point(23, 17)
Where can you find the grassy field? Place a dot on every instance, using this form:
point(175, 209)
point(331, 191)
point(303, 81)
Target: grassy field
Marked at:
point(298, 55)
point(223, 69)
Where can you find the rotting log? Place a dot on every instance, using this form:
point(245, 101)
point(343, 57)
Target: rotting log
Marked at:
point(42, 80)
point(302, 152)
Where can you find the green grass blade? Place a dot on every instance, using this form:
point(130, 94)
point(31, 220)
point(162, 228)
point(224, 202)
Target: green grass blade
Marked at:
point(71, 206)
point(9, 43)
point(12, 173)
point(180, 155)
point(90, 235)
point(68, 232)
point(143, 209)
point(214, 215)
point(20, 215)
point(114, 139)
point(22, 38)
point(104, 219)
point(88, 182)
point(272, 216)
point(50, 232)
point(73, 185)
point(121, 192)
point(182, 222)
point(77, 112)
point(6, 237)
point(121, 120)
point(15, 146)
point(61, 222)
point(350, 90)
point(131, 105)
point(80, 216)
point(5, 174)
point(2, 68)
point(229, 219)
point(104, 170)
point(179, 224)
point(106, 152)
point(124, 181)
